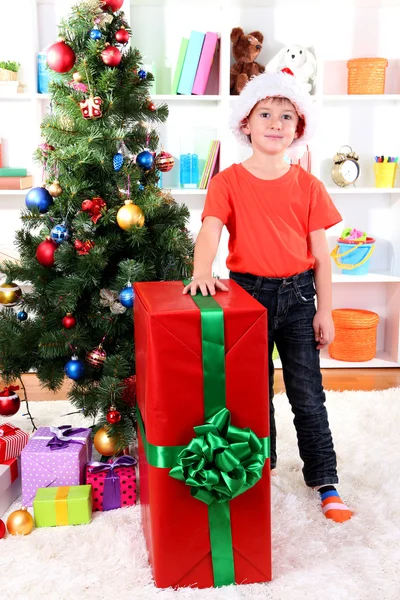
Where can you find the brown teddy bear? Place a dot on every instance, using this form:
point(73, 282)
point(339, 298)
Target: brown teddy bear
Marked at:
point(245, 49)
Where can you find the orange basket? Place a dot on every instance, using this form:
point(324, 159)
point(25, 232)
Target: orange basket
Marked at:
point(366, 75)
point(355, 335)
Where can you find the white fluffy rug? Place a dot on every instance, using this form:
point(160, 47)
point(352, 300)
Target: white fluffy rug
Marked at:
point(313, 558)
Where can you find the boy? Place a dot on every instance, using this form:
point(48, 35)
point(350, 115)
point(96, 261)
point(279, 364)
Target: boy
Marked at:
point(276, 215)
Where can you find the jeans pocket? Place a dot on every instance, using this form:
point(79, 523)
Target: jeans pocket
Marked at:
point(246, 285)
point(305, 294)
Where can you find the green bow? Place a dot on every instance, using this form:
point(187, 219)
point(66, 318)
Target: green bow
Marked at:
point(222, 461)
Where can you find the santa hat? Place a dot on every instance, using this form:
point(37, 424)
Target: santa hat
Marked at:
point(268, 85)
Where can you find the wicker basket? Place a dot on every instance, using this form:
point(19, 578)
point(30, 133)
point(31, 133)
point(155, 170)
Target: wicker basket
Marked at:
point(6, 75)
point(355, 335)
point(366, 75)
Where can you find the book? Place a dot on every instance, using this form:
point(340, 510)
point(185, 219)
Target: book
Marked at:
point(1, 155)
point(10, 172)
point(179, 65)
point(16, 183)
point(205, 62)
point(210, 166)
point(191, 62)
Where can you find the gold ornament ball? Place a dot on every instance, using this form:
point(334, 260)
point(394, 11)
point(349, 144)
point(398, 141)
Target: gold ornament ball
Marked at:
point(55, 189)
point(10, 294)
point(77, 77)
point(20, 522)
point(104, 444)
point(129, 215)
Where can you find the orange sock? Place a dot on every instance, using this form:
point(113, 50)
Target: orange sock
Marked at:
point(332, 506)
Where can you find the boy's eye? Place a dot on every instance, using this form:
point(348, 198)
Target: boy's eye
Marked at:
point(287, 116)
point(265, 115)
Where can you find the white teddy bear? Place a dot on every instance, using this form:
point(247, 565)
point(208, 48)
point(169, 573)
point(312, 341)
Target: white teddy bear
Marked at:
point(299, 60)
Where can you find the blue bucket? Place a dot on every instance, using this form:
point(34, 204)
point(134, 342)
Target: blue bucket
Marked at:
point(354, 258)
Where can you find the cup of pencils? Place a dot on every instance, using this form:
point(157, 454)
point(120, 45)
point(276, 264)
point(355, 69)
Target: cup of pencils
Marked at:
point(385, 169)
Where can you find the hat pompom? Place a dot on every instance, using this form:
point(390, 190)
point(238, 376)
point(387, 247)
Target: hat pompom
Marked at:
point(268, 85)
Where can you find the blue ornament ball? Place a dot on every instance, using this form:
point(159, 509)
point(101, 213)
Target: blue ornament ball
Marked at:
point(38, 197)
point(22, 315)
point(145, 160)
point(142, 74)
point(96, 34)
point(118, 161)
point(75, 368)
point(127, 296)
point(141, 187)
point(60, 233)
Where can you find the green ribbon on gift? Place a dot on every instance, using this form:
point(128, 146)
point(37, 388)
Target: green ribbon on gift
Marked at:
point(222, 461)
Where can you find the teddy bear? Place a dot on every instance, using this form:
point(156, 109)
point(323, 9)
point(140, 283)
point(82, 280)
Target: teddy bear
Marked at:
point(245, 49)
point(299, 60)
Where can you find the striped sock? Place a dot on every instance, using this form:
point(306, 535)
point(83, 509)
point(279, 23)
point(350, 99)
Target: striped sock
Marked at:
point(332, 506)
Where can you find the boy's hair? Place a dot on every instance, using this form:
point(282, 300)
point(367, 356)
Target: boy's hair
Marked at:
point(275, 85)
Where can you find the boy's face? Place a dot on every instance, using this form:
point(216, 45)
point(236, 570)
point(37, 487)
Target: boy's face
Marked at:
point(272, 125)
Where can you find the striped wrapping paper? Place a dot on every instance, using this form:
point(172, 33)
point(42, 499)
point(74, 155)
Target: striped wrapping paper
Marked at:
point(12, 440)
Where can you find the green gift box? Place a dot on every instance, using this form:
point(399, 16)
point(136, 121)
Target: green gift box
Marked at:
point(66, 505)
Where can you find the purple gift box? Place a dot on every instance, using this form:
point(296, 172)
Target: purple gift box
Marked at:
point(54, 457)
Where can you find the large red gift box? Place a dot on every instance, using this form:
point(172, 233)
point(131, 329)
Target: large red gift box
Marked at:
point(170, 397)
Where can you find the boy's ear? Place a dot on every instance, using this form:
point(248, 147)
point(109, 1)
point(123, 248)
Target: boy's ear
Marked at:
point(244, 126)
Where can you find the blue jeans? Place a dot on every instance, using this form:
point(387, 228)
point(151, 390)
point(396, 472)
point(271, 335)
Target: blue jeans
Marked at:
point(291, 309)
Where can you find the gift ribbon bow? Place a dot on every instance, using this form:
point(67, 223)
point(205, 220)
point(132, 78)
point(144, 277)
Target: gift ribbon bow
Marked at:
point(9, 390)
point(7, 429)
point(62, 437)
point(112, 483)
point(222, 461)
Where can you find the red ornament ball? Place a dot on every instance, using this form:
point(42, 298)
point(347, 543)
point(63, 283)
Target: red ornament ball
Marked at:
point(2, 529)
point(113, 4)
point(69, 321)
point(96, 357)
point(9, 405)
point(122, 36)
point(151, 106)
point(113, 415)
point(60, 57)
point(129, 394)
point(111, 56)
point(45, 252)
point(164, 162)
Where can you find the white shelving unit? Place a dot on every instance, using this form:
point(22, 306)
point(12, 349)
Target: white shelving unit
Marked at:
point(370, 123)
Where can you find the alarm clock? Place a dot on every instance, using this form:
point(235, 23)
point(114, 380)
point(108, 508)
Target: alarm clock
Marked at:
point(345, 169)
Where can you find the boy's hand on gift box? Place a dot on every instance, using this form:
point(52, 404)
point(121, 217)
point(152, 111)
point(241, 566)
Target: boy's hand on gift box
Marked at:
point(324, 328)
point(207, 285)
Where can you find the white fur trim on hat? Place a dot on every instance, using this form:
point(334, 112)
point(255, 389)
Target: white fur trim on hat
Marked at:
point(268, 85)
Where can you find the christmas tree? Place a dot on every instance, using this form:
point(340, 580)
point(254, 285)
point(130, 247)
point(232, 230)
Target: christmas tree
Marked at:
point(99, 223)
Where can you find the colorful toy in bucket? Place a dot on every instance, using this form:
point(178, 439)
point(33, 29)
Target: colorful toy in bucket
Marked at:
point(353, 252)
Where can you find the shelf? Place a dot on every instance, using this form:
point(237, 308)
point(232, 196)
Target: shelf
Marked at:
point(183, 192)
point(368, 278)
point(381, 360)
point(184, 98)
point(362, 190)
point(14, 192)
point(360, 97)
point(164, 98)
point(16, 97)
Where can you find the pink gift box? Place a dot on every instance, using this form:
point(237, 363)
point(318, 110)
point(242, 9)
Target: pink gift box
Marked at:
point(113, 483)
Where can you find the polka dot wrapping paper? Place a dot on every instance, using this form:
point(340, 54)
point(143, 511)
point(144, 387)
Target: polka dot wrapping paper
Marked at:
point(42, 466)
point(113, 483)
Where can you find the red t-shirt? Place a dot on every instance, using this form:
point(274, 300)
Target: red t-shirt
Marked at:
point(269, 220)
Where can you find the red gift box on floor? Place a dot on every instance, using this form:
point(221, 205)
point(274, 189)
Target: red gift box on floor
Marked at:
point(113, 483)
point(12, 441)
point(189, 544)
